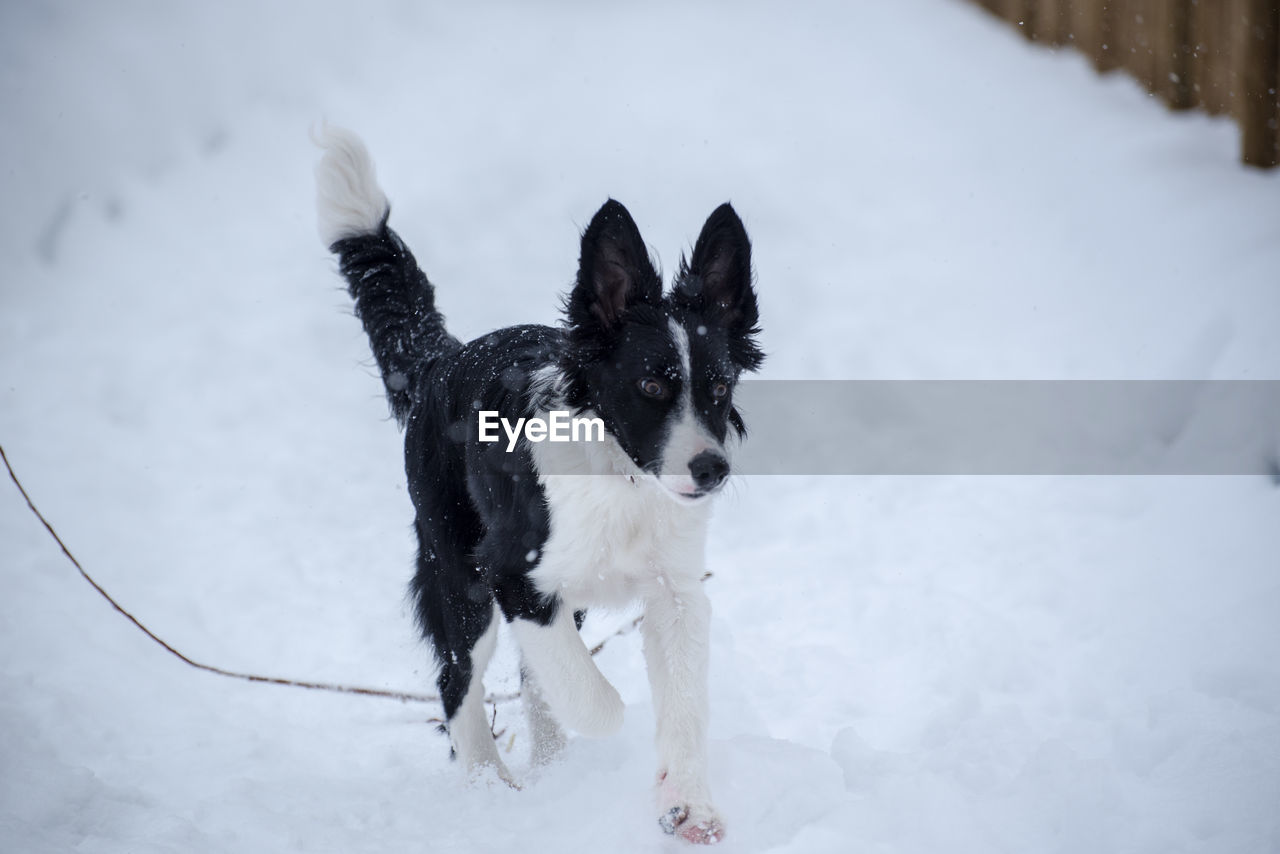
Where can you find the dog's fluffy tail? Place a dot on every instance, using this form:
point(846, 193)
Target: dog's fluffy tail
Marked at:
point(394, 300)
point(349, 201)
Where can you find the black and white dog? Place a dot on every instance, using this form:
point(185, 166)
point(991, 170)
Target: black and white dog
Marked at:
point(534, 532)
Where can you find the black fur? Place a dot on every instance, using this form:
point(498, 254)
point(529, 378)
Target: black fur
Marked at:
point(396, 304)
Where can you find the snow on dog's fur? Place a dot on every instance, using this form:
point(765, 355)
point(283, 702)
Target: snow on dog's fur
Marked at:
point(536, 534)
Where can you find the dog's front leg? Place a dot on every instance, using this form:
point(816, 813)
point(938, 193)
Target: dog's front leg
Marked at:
point(567, 676)
point(676, 630)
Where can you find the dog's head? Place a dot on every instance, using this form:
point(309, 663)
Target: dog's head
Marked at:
point(660, 369)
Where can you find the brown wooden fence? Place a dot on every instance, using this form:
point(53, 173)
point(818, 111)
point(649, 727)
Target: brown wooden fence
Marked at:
point(1222, 56)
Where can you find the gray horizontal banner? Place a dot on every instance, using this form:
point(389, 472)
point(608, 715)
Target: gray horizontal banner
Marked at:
point(1009, 427)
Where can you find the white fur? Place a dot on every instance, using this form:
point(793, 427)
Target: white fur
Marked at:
point(682, 348)
point(616, 537)
point(567, 676)
point(469, 731)
point(544, 730)
point(676, 631)
point(688, 436)
point(349, 201)
point(614, 532)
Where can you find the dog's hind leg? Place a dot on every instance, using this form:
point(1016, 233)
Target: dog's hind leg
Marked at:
point(545, 732)
point(456, 614)
point(462, 689)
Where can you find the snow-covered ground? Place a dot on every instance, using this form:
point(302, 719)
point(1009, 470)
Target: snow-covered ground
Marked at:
point(904, 664)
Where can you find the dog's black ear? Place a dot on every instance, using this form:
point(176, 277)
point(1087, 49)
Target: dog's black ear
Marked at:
point(614, 270)
point(716, 282)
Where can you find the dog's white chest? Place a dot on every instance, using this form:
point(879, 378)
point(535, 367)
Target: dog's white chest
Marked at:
point(614, 539)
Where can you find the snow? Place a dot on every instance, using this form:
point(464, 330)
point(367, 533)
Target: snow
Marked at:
point(899, 663)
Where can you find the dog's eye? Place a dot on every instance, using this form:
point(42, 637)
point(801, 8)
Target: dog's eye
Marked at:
point(653, 387)
point(719, 391)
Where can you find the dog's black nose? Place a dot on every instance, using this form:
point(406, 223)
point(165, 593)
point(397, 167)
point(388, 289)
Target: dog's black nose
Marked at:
point(709, 470)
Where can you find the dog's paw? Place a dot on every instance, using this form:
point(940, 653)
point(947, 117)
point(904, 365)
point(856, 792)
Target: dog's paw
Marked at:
point(692, 819)
point(489, 775)
point(696, 824)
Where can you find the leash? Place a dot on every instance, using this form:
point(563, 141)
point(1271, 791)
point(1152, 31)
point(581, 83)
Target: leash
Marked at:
point(333, 687)
point(403, 696)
